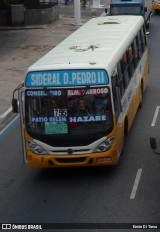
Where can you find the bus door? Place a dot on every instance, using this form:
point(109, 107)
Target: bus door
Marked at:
point(22, 120)
point(118, 110)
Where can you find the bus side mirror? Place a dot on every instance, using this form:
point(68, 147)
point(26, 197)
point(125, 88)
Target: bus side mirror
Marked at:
point(14, 105)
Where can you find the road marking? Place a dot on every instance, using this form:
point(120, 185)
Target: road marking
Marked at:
point(155, 116)
point(6, 112)
point(10, 124)
point(136, 183)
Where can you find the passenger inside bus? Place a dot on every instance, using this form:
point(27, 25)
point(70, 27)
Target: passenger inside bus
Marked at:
point(84, 108)
point(100, 104)
point(53, 106)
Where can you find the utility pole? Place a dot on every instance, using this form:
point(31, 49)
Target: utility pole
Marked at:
point(77, 12)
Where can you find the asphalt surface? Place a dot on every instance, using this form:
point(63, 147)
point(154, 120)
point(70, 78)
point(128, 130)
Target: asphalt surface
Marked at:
point(22, 46)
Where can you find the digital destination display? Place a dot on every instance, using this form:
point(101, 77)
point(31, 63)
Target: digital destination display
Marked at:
point(66, 78)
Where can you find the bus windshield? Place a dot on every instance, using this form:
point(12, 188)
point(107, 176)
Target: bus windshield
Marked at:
point(70, 113)
point(125, 9)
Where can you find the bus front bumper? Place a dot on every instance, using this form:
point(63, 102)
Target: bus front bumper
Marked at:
point(94, 159)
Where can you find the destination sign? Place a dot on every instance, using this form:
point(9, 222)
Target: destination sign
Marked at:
point(90, 118)
point(66, 78)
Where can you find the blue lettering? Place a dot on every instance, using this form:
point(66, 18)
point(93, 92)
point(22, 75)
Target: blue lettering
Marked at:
point(39, 119)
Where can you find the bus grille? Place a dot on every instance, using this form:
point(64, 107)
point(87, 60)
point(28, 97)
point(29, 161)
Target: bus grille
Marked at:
point(71, 160)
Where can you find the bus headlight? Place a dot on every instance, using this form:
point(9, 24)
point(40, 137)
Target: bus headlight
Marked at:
point(35, 148)
point(106, 145)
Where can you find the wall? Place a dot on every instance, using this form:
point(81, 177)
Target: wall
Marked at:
point(4, 19)
point(41, 16)
point(31, 17)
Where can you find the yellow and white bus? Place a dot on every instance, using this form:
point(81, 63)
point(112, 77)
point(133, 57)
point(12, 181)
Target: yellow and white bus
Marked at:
point(78, 102)
point(156, 5)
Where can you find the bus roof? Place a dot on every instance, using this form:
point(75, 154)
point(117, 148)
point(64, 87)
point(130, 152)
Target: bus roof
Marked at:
point(99, 43)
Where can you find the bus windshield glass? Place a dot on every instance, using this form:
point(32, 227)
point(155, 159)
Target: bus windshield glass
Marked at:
point(125, 9)
point(74, 112)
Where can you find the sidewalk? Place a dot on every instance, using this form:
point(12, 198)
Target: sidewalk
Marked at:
point(21, 47)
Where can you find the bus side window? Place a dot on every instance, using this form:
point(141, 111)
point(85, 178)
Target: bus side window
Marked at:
point(116, 95)
point(142, 39)
point(136, 52)
point(121, 83)
point(144, 35)
point(139, 48)
point(124, 61)
point(126, 75)
point(131, 66)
